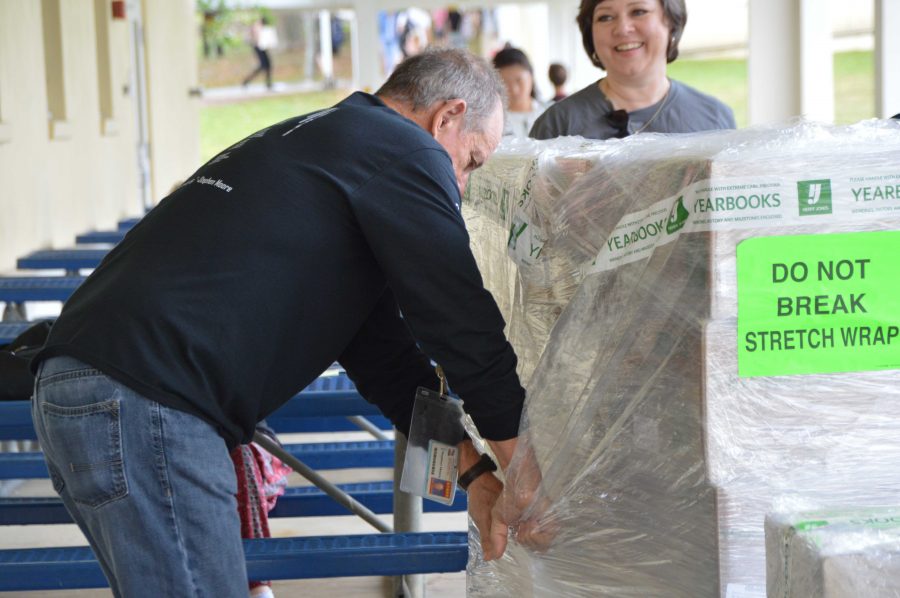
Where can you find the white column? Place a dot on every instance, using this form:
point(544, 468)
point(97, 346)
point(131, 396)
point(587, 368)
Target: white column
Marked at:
point(887, 58)
point(366, 62)
point(354, 50)
point(525, 27)
point(326, 64)
point(789, 61)
point(772, 48)
point(564, 41)
point(407, 518)
point(309, 41)
point(816, 61)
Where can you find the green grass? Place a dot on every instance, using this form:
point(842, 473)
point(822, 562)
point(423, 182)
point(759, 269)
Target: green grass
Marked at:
point(725, 79)
point(854, 87)
point(224, 124)
point(854, 82)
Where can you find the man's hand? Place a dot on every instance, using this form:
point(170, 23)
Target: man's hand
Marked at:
point(521, 508)
point(482, 496)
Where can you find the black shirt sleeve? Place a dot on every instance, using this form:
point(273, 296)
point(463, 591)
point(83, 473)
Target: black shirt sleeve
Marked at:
point(410, 218)
point(386, 365)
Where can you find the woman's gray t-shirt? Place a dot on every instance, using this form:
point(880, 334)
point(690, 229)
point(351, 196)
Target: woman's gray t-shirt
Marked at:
point(683, 110)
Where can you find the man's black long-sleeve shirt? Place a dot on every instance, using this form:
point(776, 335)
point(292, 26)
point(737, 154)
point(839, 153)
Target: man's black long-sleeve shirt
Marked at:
point(296, 247)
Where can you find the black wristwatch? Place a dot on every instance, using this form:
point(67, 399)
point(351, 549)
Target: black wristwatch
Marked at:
point(484, 465)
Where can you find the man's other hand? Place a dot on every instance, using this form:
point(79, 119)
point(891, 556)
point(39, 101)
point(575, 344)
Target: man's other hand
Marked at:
point(482, 495)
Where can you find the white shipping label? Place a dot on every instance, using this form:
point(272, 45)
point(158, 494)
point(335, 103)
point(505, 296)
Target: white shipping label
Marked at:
point(718, 204)
point(526, 241)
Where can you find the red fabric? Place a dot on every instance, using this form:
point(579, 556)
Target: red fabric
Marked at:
point(261, 479)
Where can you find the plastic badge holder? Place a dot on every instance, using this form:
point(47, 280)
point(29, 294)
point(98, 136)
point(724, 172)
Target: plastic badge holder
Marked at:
point(432, 454)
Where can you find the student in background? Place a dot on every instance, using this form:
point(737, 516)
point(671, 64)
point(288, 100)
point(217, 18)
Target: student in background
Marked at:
point(518, 77)
point(263, 37)
point(558, 74)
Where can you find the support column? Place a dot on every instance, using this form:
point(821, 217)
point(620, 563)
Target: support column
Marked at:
point(366, 62)
point(407, 518)
point(309, 46)
point(816, 61)
point(789, 64)
point(887, 58)
point(564, 42)
point(326, 64)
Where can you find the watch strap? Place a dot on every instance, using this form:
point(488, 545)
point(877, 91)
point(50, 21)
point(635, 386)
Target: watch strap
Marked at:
point(484, 465)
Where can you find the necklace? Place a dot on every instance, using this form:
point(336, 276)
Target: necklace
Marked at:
point(618, 113)
point(662, 103)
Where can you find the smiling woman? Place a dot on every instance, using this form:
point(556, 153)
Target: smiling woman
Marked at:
point(632, 40)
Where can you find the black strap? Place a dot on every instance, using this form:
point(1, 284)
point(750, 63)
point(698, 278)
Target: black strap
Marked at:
point(484, 465)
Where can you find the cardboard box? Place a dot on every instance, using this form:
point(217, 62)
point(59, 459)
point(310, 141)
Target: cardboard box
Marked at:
point(834, 554)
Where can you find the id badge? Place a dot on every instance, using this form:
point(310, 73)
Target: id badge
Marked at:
point(432, 453)
point(443, 466)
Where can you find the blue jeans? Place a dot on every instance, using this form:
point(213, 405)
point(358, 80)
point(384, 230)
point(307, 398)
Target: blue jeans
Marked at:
point(152, 488)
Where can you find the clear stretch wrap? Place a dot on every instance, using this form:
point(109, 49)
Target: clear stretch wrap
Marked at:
point(833, 554)
point(659, 459)
point(509, 210)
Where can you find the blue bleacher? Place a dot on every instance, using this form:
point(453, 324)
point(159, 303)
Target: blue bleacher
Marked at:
point(110, 237)
point(35, 569)
point(304, 501)
point(332, 397)
point(19, 289)
point(128, 223)
point(10, 330)
point(318, 455)
point(70, 260)
point(270, 558)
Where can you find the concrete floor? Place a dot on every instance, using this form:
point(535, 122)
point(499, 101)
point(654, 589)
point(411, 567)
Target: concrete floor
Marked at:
point(437, 586)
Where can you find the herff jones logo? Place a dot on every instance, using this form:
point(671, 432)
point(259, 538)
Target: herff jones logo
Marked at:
point(814, 197)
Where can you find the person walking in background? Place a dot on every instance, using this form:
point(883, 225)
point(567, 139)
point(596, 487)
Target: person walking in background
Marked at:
point(632, 40)
point(558, 74)
point(518, 77)
point(263, 37)
point(337, 35)
point(455, 22)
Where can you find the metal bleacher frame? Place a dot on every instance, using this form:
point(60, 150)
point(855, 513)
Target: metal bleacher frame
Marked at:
point(330, 404)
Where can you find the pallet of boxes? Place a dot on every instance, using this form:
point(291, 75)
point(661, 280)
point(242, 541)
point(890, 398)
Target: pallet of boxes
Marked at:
point(708, 324)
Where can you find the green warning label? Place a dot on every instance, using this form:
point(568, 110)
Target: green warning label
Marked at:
point(818, 303)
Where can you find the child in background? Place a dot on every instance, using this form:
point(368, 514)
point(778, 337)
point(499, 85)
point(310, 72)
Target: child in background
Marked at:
point(518, 77)
point(558, 75)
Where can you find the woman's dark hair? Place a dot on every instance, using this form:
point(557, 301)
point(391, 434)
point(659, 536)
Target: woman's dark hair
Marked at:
point(674, 10)
point(510, 56)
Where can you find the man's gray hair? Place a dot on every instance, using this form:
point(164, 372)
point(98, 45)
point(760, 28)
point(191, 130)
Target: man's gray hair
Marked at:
point(440, 74)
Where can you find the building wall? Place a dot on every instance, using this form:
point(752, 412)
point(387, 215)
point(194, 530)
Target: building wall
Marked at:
point(172, 70)
point(78, 170)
